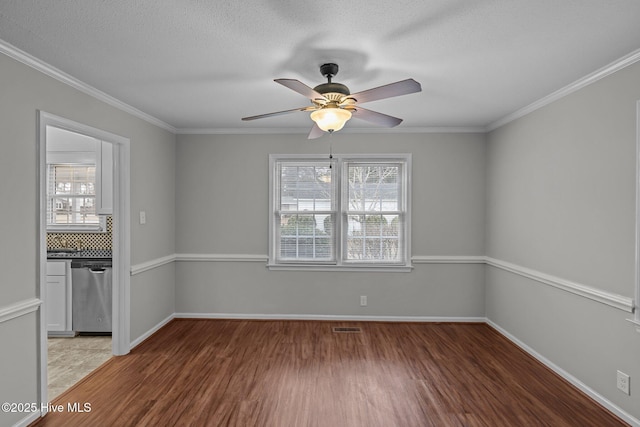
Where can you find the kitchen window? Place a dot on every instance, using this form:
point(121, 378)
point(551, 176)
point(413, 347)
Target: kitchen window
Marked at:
point(344, 212)
point(71, 197)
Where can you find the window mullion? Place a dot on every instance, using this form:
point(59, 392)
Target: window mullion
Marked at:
point(358, 228)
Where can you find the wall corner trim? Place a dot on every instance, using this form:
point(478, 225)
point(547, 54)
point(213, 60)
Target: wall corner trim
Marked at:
point(19, 308)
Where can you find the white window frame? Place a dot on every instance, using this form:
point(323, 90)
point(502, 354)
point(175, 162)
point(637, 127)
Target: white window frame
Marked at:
point(339, 163)
point(92, 227)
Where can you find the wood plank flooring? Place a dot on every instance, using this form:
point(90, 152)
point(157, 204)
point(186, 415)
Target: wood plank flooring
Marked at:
point(301, 373)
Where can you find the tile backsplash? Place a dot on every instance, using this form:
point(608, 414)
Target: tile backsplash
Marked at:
point(89, 240)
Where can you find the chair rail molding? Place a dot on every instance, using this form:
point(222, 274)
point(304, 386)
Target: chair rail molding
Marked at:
point(620, 302)
point(614, 300)
point(448, 259)
point(19, 308)
point(151, 264)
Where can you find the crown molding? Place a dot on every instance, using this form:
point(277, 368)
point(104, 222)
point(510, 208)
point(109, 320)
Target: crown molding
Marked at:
point(35, 63)
point(603, 72)
point(305, 131)
point(240, 131)
point(39, 65)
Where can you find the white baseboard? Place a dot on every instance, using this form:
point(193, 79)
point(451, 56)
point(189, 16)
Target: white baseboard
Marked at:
point(28, 419)
point(567, 376)
point(151, 331)
point(331, 317)
point(61, 334)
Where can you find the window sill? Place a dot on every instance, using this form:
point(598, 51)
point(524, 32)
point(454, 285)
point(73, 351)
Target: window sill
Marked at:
point(75, 230)
point(346, 268)
point(100, 227)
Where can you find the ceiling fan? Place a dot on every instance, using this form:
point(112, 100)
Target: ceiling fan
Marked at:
point(333, 105)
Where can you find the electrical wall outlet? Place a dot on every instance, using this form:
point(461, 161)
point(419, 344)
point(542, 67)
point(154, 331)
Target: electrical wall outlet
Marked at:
point(363, 300)
point(623, 383)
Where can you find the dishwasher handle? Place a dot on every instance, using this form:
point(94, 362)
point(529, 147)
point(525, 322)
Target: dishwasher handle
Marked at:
point(97, 270)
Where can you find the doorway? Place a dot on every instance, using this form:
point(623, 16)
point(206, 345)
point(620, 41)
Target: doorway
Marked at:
point(108, 221)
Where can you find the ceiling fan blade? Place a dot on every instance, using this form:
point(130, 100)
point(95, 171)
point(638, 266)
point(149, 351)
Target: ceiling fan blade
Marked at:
point(278, 113)
point(316, 132)
point(403, 87)
point(375, 117)
point(301, 88)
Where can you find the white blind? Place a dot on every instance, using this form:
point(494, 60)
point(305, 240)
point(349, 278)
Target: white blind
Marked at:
point(348, 211)
point(305, 211)
point(71, 194)
point(373, 212)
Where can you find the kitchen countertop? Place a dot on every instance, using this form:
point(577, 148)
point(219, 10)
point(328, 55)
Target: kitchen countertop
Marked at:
point(83, 254)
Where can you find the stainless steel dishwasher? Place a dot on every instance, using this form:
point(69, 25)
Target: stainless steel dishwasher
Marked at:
point(92, 296)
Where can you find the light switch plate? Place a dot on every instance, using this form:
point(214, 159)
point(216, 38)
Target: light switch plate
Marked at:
point(143, 217)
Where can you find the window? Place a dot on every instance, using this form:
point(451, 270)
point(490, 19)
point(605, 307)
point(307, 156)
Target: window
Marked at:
point(348, 211)
point(71, 197)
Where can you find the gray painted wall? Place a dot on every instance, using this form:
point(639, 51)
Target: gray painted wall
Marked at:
point(152, 189)
point(222, 208)
point(553, 191)
point(561, 200)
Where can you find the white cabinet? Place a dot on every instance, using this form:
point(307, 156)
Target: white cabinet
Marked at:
point(104, 178)
point(58, 298)
point(56, 303)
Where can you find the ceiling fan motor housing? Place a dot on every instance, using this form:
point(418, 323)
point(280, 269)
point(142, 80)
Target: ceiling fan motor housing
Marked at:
point(327, 89)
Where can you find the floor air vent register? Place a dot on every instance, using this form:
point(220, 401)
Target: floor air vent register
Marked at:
point(346, 330)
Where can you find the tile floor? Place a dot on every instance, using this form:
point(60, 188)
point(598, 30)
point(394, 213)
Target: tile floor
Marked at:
point(71, 359)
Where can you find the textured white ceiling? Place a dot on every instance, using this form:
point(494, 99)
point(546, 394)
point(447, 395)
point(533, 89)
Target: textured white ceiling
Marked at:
point(198, 64)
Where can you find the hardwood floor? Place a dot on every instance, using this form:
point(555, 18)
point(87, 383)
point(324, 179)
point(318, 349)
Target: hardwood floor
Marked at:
point(301, 373)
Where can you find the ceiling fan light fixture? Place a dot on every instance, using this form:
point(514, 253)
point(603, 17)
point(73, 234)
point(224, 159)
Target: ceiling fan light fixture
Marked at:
point(333, 104)
point(331, 119)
